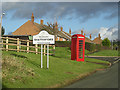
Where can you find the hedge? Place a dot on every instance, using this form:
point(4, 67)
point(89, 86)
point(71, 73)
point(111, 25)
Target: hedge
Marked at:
point(92, 47)
point(63, 43)
point(88, 46)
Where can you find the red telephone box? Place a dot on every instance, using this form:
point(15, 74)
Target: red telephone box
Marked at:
point(78, 47)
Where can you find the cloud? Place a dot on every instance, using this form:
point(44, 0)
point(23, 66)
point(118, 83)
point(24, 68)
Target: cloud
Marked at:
point(82, 10)
point(110, 33)
point(112, 15)
point(93, 32)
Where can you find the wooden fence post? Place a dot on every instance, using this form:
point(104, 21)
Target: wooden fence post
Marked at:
point(53, 46)
point(27, 46)
point(6, 43)
point(2, 43)
point(18, 45)
point(53, 49)
point(44, 49)
point(36, 49)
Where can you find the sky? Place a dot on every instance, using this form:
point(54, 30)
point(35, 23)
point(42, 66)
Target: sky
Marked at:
point(92, 17)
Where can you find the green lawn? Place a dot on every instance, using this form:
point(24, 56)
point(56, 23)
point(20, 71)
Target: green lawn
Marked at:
point(22, 70)
point(64, 52)
point(105, 53)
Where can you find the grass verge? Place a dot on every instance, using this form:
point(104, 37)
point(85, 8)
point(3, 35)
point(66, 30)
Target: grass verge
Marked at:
point(105, 53)
point(22, 70)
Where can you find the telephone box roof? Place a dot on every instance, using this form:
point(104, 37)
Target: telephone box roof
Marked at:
point(78, 35)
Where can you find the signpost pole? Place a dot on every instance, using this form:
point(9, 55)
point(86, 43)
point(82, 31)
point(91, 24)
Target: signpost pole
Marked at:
point(44, 38)
point(48, 56)
point(41, 56)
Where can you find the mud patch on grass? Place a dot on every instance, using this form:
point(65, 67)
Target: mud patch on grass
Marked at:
point(16, 55)
point(69, 82)
point(69, 72)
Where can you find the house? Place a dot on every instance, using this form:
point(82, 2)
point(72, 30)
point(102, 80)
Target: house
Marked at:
point(98, 40)
point(31, 28)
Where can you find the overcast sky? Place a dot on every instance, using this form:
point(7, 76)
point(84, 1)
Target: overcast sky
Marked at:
point(92, 17)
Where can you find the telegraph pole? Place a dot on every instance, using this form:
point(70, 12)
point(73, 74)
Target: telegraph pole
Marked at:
point(1, 23)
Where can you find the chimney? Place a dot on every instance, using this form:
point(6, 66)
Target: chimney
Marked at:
point(53, 26)
point(99, 36)
point(82, 32)
point(90, 36)
point(56, 25)
point(70, 31)
point(32, 18)
point(48, 24)
point(41, 21)
point(61, 28)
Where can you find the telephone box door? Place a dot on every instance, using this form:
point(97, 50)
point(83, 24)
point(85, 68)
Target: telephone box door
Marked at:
point(80, 49)
point(73, 48)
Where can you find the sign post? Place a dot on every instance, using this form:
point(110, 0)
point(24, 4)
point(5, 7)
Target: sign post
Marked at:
point(47, 56)
point(41, 56)
point(44, 38)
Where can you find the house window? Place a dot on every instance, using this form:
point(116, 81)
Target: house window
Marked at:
point(63, 39)
point(58, 38)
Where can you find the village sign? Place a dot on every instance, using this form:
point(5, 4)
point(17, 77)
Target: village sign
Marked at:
point(44, 38)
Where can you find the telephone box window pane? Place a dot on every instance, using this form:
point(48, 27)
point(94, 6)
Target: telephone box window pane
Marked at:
point(80, 40)
point(80, 48)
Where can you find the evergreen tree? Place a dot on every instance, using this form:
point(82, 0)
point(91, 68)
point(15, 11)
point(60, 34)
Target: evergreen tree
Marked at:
point(3, 31)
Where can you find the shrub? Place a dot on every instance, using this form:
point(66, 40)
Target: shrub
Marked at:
point(115, 46)
point(87, 46)
point(92, 47)
point(98, 47)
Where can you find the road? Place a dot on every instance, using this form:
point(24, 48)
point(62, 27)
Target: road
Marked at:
point(101, 79)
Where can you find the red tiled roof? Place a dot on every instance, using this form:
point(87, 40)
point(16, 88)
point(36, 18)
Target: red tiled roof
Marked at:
point(97, 40)
point(88, 40)
point(27, 28)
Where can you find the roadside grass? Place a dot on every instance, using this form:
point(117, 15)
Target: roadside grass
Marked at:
point(96, 61)
point(105, 53)
point(64, 52)
point(22, 70)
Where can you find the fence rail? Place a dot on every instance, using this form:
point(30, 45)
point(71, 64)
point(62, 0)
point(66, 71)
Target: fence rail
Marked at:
point(16, 44)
